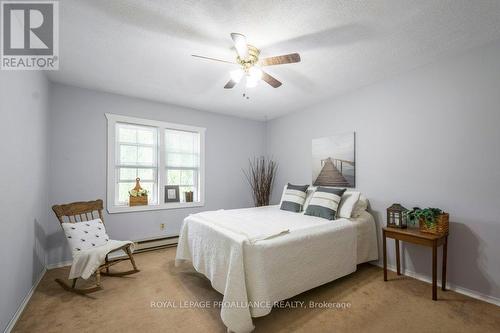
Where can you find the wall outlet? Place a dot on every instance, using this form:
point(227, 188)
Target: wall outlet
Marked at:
point(162, 226)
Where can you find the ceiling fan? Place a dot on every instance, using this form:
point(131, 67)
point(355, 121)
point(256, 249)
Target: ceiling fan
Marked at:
point(250, 64)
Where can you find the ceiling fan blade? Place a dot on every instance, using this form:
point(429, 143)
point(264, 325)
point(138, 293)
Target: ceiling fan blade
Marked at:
point(214, 59)
point(279, 60)
point(230, 84)
point(240, 43)
point(270, 80)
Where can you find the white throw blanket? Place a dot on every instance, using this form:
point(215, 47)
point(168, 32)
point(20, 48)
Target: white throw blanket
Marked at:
point(264, 255)
point(86, 262)
point(252, 229)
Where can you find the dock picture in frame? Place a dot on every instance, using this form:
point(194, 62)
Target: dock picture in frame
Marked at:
point(333, 160)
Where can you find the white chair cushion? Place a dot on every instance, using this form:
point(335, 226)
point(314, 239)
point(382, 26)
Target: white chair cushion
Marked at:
point(85, 235)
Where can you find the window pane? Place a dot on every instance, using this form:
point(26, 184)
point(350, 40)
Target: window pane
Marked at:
point(181, 177)
point(126, 134)
point(173, 160)
point(182, 160)
point(127, 174)
point(182, 149)
point(128, 154)
point(145, 174)
point(136, 146)
point(189, 160)
point(130, 174)
point(187, 177)
point(145, 155)
point(123, 189)
point(145, 137)
point(173, 177)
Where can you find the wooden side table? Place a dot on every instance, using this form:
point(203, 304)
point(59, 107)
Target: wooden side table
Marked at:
point(416, 237)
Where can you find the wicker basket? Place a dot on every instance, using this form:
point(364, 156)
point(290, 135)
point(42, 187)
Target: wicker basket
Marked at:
point(439, 227)
point(138, 201)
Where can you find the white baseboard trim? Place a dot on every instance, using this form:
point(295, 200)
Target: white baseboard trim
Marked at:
point(59, 264)
point(450, 286)
point(23, 304)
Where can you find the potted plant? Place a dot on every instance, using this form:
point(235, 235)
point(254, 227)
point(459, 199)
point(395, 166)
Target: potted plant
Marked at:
point(431, 220)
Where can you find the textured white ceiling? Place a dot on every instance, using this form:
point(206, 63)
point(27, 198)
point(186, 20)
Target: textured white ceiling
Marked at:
point(143, 48)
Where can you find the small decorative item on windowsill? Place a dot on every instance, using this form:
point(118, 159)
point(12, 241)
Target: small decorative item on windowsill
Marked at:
point(172, 193)
point(188, 196)
point(430, 220)
point(138, 196)
point(397, 216)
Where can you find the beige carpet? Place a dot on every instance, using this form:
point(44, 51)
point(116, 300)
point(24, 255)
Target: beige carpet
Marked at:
point(400, 305)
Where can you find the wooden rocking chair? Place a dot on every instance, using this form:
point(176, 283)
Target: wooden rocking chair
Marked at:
point(85, 211)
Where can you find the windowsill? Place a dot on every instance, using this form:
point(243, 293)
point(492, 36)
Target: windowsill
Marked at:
point(171, 205)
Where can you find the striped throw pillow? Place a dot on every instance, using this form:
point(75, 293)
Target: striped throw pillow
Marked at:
point(325, 202)
point(294, 197)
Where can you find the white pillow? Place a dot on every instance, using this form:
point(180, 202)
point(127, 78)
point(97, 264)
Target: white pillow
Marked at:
point(347, 203)
point(85, 235)
point(283, 193)
point(360, 206)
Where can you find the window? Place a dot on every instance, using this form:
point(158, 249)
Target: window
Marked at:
point(158, 153)
point(136, 148)
point(182, 160)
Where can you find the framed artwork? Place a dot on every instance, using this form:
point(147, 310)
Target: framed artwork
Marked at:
point(172, 193)
point(333, 161)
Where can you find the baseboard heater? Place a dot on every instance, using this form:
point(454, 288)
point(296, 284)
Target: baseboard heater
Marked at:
point(149, 244)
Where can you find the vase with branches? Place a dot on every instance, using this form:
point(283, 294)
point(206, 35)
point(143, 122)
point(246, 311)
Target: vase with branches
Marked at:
point(260, 175)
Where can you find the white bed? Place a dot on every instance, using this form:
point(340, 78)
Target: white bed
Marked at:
point(258, 256)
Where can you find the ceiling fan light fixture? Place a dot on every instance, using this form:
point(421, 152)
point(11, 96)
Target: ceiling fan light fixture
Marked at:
point(255, 73)
point(236, 75)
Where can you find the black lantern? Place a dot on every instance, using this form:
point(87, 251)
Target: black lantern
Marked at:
point(397, 216)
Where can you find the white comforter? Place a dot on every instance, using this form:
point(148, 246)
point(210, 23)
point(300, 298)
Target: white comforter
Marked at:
point(258, 256)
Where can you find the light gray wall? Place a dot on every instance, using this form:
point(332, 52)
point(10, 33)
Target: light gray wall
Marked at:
point(23, 170)
point(428, 138)
point(78, 160)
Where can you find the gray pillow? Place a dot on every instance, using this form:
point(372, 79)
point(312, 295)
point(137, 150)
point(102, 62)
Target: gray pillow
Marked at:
point(325, 202)
point(294, 197)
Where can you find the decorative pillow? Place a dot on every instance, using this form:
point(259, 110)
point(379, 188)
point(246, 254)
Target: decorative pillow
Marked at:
point(283, 194)
point(324, 202)
point(85, 235)
point(360, 206)
point(309, 195)
point(294, 197)
point(347, 204)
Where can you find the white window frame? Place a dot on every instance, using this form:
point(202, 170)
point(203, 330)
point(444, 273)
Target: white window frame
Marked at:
point(113, 119)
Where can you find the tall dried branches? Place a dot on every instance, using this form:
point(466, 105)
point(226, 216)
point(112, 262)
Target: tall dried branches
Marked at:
point(260, 175)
